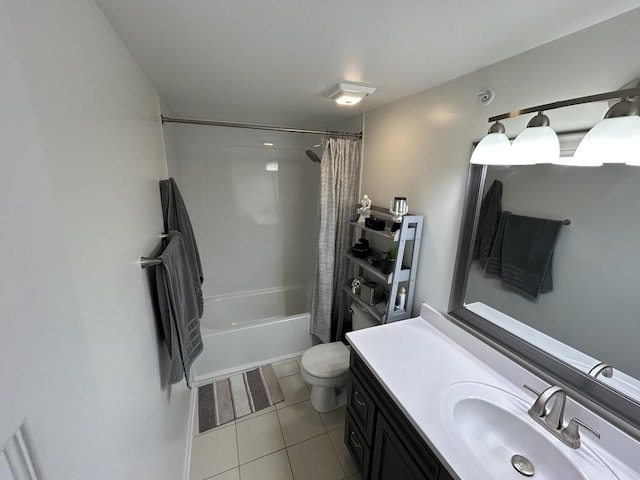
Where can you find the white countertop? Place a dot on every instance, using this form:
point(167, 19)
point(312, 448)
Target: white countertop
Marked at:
point(416, 360)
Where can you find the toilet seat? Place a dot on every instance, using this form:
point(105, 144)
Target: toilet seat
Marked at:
point(327, 360)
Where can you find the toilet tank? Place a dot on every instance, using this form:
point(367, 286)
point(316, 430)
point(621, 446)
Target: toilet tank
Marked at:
point(360, 318)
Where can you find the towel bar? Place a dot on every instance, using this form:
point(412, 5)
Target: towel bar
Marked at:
point(149, 262)
point(146, 262)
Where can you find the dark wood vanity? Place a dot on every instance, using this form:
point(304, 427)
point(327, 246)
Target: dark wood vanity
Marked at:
point(380, 439)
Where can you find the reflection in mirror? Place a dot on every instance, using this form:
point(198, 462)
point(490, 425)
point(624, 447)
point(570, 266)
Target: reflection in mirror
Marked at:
point(595, 264)
point(590, 313)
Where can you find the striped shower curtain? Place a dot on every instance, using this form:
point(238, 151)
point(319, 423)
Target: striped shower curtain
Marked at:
point(339, 176)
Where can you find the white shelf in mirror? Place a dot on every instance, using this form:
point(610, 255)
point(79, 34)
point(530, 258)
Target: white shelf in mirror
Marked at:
point(620, 381)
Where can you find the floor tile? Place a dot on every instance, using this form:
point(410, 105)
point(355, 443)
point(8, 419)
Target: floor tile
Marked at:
point(294, 389)
point(228, 475)
point(333, 419)
point(300, 422)
point(270, 409)
point(213, 452)
point(337, 440)
point(357, 476)
point(315, 459)
point(272, 467)
point(259, 437)
point(287, 368)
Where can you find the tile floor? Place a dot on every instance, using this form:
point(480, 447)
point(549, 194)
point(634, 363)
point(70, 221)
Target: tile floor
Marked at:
point(288, 441)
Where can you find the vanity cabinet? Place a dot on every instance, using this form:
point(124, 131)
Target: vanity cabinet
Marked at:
point(407, 240)
point(381, 441)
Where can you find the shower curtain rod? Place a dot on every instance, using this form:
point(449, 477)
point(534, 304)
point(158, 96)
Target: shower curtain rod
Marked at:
point(357, 136)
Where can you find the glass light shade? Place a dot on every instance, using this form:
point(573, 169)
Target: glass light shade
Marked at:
point(613, 140)
point(493, 149)
point(535, 145)
point(349, 98)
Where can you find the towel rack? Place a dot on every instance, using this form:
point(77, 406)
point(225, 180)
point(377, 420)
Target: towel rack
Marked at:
point(146, 262)
point(149, 262)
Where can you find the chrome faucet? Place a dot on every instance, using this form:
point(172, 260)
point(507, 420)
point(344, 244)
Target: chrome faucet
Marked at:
point(601, 368)
point(553, 420)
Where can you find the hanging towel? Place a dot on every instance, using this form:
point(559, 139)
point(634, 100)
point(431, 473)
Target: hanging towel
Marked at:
point(490, 212)
point(522, 253)
point(176, 218)
point(494, 261)
point(178, 307)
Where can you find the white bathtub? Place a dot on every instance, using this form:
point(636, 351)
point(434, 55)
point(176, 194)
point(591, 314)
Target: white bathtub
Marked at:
point(244, 330)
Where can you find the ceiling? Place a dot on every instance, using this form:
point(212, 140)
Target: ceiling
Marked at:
point(269, 61)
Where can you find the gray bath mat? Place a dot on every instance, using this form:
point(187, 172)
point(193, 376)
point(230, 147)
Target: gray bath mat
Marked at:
point(234, 397)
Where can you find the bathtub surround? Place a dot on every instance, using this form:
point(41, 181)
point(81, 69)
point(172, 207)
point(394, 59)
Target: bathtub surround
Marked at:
point(225, 400)
point(339, 175)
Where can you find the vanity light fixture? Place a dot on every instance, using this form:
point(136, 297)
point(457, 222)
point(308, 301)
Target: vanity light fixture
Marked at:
point(616, 139)
point(346, 93)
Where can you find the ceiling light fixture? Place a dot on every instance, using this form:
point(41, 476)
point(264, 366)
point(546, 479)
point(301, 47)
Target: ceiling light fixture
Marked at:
point(346, 93)
point(616, 139)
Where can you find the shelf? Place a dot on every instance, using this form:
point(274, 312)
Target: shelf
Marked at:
point(402, 276)
point(407, 242)
point(376, 312)
point(387, 233)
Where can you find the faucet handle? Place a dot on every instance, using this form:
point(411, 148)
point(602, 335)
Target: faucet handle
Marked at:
point(571, 432)
point(531, 389)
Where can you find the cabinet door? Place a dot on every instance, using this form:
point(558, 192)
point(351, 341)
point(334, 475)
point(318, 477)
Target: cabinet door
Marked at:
point(357, 447)
point(361, 406)
point(391, 460)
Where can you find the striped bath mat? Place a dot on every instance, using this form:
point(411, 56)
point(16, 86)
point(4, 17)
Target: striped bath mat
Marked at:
point(224, 400)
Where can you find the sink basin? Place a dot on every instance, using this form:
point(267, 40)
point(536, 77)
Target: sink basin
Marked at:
point(490, 426)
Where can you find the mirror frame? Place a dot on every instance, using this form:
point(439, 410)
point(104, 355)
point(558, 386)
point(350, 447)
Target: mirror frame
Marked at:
point(619, 409)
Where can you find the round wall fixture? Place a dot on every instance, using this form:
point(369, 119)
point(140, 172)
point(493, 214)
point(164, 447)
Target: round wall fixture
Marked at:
point(487, 95)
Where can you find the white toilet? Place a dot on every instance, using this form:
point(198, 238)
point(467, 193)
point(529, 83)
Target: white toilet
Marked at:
point(326, 366)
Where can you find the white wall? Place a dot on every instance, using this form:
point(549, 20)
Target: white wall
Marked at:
point(420, 146)
point(82, 153)
point(256, 228)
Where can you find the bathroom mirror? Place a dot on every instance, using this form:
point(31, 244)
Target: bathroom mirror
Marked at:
point(591, 314)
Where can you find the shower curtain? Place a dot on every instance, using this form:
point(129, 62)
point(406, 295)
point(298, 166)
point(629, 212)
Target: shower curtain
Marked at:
point(339, 175)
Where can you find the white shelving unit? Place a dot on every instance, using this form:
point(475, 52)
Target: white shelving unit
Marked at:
point(407, 239)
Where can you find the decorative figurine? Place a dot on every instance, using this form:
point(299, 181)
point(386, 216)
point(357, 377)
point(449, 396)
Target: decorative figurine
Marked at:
point(365, 209)
point(355, 286)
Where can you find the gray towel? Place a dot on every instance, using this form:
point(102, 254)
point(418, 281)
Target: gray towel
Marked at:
point(490, 212)
point(522, 253)
point(175, 217)
point(178, 307)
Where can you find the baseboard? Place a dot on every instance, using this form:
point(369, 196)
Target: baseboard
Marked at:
point(189, 442)
point(201, 380)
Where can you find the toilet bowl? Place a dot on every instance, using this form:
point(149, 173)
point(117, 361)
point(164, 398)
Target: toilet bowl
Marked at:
point(326, 367)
